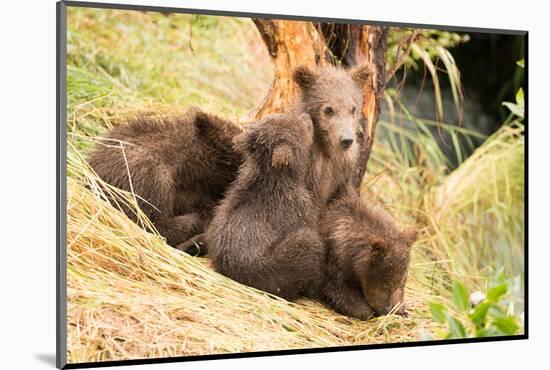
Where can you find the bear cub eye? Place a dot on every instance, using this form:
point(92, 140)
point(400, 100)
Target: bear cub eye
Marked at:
point(353, 110)
point(328, 111)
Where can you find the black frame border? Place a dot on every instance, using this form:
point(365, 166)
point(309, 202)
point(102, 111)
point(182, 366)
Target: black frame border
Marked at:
point(61, 187)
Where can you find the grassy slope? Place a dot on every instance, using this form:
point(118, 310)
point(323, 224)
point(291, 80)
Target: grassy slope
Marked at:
point(132, 296)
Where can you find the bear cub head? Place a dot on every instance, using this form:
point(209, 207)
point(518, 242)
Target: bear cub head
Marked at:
point(381, 267)
point(278, 145)
point(334, 98)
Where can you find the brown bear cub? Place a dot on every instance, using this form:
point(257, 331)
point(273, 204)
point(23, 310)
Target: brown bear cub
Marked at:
point(178, 168)
point(367, 258)
point(334, 99)
point(264, 233)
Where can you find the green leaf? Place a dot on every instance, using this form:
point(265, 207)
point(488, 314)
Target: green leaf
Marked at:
point(506, 325)
point(460, 296)
point(438, 312)
point(514, 108)
point(496, 311)
point(521, 63)
point(500, 277)
point(454, 77)
point(425, 56)
point(519, 97)
point(495, 293)
point(456, 329)
point(482, 333)
point(479, 314)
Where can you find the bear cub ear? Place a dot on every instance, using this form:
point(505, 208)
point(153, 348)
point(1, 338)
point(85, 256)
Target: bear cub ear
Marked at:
point(379, 249)
point(243, 142)
point(304, 77)
point(202, 120)
point(360, 75)
point(282, 156)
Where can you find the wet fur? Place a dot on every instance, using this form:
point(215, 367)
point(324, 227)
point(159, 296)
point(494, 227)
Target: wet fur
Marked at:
point(179, 168)
point(341, 90)
point(264, 231)
point(367, 258)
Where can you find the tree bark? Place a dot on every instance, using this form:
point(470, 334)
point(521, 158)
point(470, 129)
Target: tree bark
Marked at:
point(294, 43)
point(290, 44)
point(371, 49)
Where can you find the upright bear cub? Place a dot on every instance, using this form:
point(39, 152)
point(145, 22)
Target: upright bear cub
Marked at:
point(367, 258)
point(264, 233)
point(334, 99)
point(179, 168)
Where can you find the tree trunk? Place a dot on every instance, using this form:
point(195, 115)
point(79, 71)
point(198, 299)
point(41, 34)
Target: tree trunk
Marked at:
point(290, 44)
point(371, 49)
point(294, 43)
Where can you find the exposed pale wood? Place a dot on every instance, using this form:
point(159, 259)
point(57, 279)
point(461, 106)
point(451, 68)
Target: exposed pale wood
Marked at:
point(290, 44)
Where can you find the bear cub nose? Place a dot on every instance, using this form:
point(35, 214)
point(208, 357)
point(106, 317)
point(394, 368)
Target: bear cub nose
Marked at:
point(346, 142)
point(346, 138)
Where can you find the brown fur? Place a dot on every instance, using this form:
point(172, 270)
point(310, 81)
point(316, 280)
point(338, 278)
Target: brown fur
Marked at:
point(182, 168)
point(334, 98)
point(263, 233)
point(367, 258)
point(179, 168)
point(333, 163)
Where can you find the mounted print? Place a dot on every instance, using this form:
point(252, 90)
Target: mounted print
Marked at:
point(234, 184)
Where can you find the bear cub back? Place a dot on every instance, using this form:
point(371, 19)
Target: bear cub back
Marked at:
point(263, 233)
point(178, 167)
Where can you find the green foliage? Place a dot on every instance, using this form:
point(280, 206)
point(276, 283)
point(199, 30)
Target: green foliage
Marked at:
point(438, 312)
point(517, 109)
point(487, 318)
point(414, 48)
point(473, 215)
point(460, 296)
point(521, 63)
point(120, 63)
point(427, 40)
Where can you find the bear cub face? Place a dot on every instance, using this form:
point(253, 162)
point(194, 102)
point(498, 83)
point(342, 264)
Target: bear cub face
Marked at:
point(277, 146)
point(334, 98)
point(368, 257)
point(382, 268)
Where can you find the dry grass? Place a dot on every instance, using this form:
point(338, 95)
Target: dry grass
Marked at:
point(131, 296)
